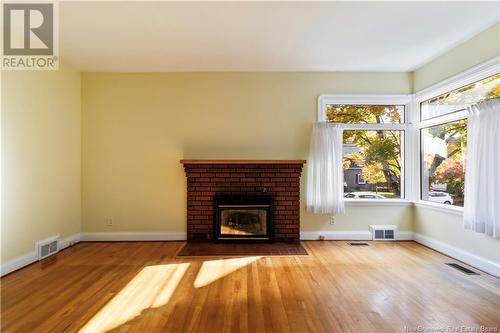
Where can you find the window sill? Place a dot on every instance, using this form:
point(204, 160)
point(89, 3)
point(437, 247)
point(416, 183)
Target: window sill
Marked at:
point(377, 202)
point(455, 210)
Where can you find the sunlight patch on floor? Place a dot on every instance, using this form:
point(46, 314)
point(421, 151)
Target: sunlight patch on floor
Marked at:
point(213, 270)
point(152, 287)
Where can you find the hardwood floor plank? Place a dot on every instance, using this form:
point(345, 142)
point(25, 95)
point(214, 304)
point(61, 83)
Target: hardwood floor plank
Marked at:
point(144, 287)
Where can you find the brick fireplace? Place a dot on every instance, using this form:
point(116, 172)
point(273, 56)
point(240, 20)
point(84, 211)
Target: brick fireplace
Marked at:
point(211, 179)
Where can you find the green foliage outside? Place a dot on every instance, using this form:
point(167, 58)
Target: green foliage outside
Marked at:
point(380, 151)
point(450, 170)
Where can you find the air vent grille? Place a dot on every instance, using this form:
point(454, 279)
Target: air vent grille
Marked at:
point(389, 234)
point(383, 232)
point(358, 244)
point(463, 269)
point(48, 247)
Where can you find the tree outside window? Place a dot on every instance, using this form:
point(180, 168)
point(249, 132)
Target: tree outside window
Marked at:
point(443, 165)
point(376, 153)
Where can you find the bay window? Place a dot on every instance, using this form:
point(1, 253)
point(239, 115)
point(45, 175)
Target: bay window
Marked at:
point(409, 147)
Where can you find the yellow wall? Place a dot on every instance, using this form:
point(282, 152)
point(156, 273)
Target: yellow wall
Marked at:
point(136, 128)
point(448, 228)
point(358, 218)
point(40, 157)
point(472, 52)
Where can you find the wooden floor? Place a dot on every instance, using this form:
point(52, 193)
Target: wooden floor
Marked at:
point(143, 287)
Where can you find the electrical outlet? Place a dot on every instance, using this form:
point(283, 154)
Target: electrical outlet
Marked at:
point(110, 221)
point(332, 220)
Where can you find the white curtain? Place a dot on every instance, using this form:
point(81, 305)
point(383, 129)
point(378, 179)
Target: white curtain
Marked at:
point(325, 177)
point(482, 176)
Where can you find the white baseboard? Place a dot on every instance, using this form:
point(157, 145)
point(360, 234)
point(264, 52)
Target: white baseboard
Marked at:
point(473, 260)
point(131, 236)
point(404, 235)
point(69, 241)
point(19, 262)
point(31, 257)
point(349, 235)
point(336, 235)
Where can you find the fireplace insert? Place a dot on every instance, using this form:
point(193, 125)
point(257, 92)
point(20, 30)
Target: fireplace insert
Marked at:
point(243, 218)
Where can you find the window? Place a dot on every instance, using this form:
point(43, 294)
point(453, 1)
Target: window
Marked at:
point(390, 153)
point(372, 163)
point(364, 114)
point(443, 160)
point(443, 140)
point(373, 143)
point(458, 99)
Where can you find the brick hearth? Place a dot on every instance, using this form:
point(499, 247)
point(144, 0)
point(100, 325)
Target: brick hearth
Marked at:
point(207, 178)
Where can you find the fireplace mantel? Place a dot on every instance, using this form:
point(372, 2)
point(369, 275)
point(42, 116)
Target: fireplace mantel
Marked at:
point(243, 161)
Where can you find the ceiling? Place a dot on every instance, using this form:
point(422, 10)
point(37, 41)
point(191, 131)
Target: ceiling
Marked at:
point(265, 36)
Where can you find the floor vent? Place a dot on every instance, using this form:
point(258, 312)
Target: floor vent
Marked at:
point(462, 269)
point(47, 247)
point(383, 232)
point(358, 244)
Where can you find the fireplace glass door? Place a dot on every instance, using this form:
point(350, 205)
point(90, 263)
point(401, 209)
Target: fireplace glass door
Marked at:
point(244, 221)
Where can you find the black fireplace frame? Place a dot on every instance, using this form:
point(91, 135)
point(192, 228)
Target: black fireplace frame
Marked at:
point(244, 199)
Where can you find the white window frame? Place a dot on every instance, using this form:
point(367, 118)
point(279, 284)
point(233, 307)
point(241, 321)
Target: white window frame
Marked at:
point(474, 74)
point(404, 127)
